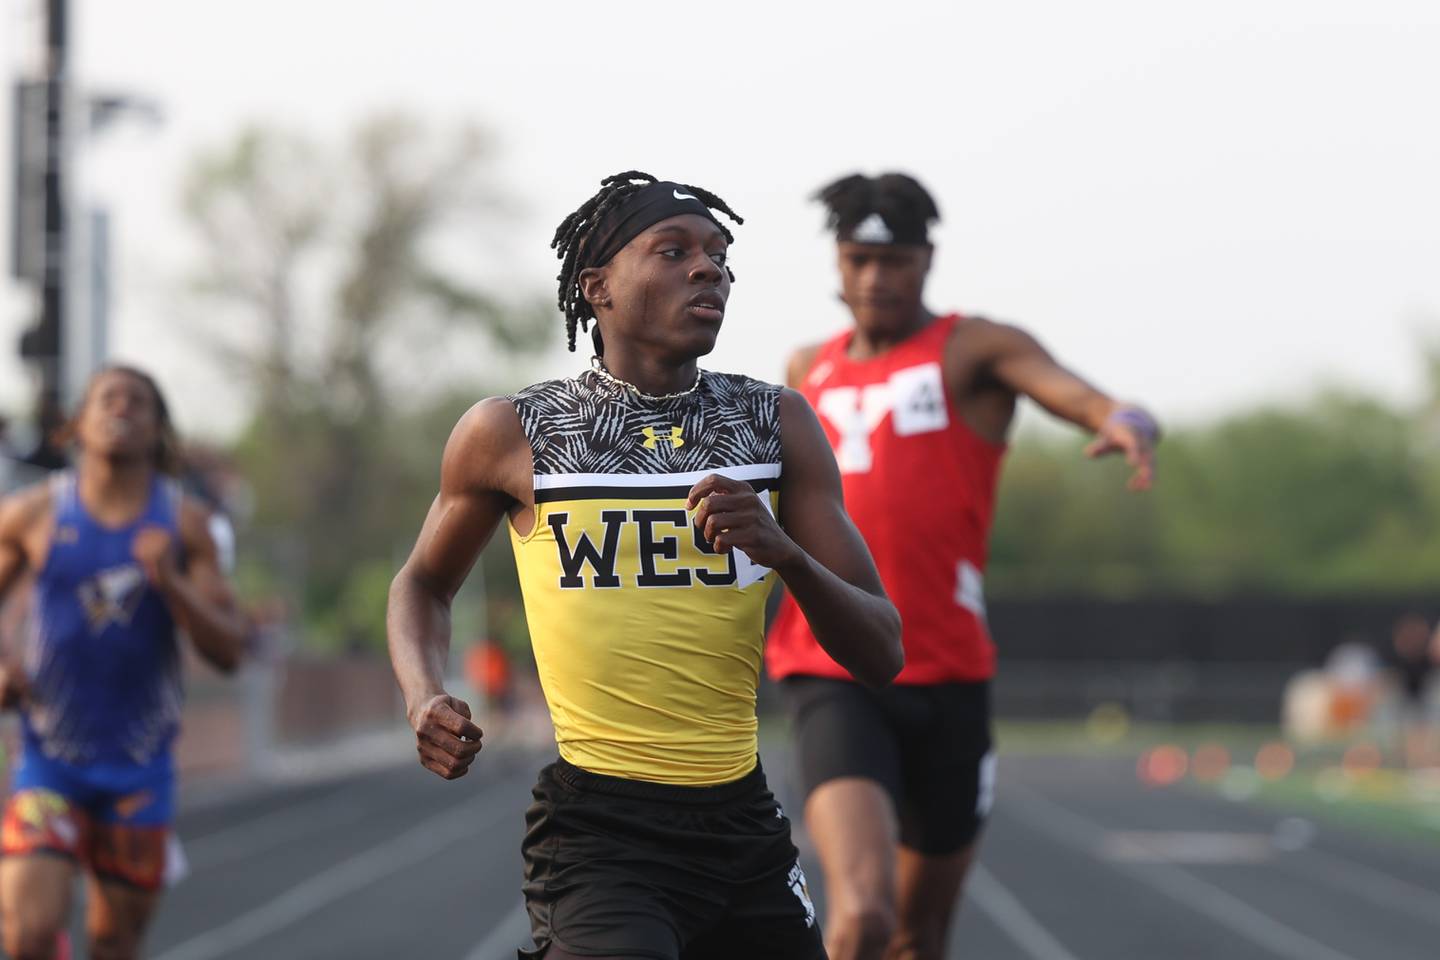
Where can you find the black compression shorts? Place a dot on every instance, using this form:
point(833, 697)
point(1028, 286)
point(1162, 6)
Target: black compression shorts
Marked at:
point(623, 868)
point(929, 746)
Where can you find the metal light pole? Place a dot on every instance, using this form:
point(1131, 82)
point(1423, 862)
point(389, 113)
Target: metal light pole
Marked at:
point(48, 128)
point(43, 344)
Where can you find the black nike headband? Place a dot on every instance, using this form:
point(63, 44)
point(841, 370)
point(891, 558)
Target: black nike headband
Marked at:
point(636, 213)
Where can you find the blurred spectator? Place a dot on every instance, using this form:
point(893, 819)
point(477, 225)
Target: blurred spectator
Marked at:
point(1414, 657)
point(1353, 671)
point(489, 671)
point(49, 452)
point(8, 455)
point(1337, 700)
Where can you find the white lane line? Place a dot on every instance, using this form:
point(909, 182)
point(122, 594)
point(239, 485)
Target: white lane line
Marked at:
point(1005, 909)
point(335, 808)
point(346, 877)
point(511, 932)
point(1080, 833)
point(1380, 888)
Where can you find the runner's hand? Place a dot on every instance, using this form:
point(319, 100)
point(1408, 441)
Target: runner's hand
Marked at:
point(445, 737)
point(14, 686)
point(154, 549)
point(730, 515)
point(1119, 437)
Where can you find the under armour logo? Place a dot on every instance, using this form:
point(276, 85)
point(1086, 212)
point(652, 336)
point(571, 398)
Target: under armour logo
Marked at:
point(674, 438)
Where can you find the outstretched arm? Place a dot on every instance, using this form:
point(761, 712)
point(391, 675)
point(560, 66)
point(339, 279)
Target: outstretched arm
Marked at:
point(475, 496)
point(815, 547)
point(1022, 365)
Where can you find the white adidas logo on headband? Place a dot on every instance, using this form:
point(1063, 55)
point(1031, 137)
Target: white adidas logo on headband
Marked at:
point(873, 229)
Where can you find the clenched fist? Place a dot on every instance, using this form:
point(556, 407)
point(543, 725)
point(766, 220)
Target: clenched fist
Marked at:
point(445, 738)
point(730, 514)
point(154, 549)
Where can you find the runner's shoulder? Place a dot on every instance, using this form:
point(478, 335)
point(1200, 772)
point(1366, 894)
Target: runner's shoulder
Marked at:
point(492, 424)
point(488, 440)
point(974, 327)
point(21, 510)
point(981, 331)
point(800, 432)
point(800, 361)
point(979, 341)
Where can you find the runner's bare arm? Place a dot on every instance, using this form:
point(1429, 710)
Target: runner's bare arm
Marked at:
point(797, 368)
point(477, 490)
point(815, 548)
point(18, 513)
point(834, 580)
point(1018, 362)
point(199, 596)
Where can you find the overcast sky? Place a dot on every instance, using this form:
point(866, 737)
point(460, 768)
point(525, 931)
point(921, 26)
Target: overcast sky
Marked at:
point(1199, 206)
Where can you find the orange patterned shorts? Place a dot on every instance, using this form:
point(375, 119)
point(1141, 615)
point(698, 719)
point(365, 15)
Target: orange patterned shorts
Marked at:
point(42, 821)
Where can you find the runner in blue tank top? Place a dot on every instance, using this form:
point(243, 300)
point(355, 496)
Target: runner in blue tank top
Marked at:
point(122, 562)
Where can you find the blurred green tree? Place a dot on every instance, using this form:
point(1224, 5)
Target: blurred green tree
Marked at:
point(1338, 493)
point(324, 276)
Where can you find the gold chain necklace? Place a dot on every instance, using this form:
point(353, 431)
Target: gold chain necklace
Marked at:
point(598, 366)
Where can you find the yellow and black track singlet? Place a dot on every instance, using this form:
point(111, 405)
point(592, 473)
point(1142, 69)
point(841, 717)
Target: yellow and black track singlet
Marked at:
point(648, 643)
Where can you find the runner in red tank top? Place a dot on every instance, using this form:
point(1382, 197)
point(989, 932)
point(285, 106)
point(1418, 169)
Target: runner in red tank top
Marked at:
point(917, 408)
point(900, 440)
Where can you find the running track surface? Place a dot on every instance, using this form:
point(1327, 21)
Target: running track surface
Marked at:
point(1080, 862)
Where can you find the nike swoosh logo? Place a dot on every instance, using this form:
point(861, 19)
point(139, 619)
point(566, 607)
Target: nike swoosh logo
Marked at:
point(683, 196)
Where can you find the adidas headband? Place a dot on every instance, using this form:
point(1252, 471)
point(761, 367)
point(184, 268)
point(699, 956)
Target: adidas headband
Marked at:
point(875, 228)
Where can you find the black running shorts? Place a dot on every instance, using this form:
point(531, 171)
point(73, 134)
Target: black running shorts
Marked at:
point(623, 868)
point(929, 746)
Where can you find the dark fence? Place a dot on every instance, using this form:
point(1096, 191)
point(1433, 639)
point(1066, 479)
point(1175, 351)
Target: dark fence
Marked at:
point(1177, 660)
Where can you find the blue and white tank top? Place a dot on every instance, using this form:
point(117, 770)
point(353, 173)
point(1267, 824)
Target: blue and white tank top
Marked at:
point(101, 652)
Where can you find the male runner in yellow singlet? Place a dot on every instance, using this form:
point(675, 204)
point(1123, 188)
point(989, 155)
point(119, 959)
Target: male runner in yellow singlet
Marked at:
point(649, 503)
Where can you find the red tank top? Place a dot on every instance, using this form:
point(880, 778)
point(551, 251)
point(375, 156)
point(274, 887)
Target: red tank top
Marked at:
point(920, 485)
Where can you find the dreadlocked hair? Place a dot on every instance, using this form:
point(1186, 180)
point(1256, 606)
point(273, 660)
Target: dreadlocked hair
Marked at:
point(897, 197)
point(574, 232)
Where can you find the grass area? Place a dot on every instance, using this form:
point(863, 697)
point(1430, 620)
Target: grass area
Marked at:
point(1387, 802)
point(1362, 790)
point(1111, 736)
point(1353, 784)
